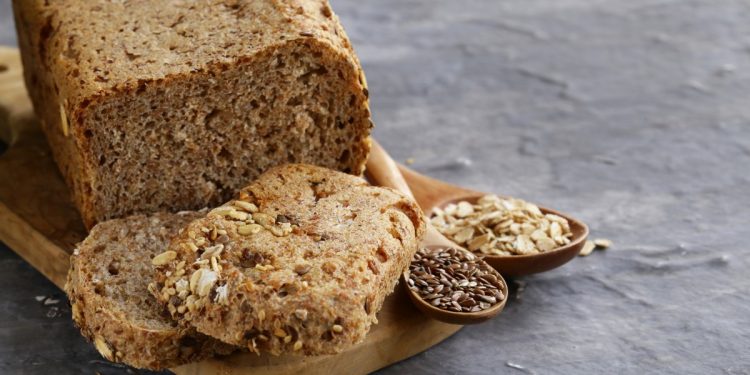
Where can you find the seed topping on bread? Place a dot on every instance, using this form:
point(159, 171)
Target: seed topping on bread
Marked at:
point(208, 244)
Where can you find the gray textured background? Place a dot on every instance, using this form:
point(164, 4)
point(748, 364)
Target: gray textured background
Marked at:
point(632, 115)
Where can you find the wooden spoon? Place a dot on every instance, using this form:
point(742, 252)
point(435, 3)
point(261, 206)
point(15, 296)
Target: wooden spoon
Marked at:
point(382, 170)
point(431, 193)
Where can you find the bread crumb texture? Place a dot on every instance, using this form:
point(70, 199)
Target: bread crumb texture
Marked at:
point(300, 262)
point(170, 105)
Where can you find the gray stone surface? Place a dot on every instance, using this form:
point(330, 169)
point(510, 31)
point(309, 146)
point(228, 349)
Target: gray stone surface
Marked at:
point(632, 115)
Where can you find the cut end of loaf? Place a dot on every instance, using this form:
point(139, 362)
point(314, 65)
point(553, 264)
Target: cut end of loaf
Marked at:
point(191, 141)
point(153, 106)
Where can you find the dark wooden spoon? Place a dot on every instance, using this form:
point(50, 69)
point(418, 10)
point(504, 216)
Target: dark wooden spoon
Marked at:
point(383, 171)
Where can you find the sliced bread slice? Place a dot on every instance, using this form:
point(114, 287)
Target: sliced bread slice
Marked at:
point(300, 263)
point(108, 290)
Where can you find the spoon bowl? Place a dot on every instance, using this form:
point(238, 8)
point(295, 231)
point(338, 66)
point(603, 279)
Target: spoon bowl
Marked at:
point(518, 265)
point(454, 317)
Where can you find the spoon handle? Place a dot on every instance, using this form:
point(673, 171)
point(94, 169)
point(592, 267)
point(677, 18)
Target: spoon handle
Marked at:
point(383, 171)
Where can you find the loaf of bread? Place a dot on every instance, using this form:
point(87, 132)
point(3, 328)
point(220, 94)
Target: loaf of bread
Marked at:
point(108, 290)
point(172, 105)
point(300, 262)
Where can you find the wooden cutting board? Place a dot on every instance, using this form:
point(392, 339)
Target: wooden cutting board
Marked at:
point(38, 221)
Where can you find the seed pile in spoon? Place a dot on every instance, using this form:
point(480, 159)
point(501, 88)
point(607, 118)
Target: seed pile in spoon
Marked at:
point(500, 226)
point(454, 280)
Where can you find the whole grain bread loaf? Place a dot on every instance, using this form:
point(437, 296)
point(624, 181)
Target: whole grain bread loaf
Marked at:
point(108, 290)
point(173, 105)
point(300, 262)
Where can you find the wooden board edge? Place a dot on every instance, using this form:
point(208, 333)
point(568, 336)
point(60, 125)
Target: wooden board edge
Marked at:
point(21, 237)
point(360, 360)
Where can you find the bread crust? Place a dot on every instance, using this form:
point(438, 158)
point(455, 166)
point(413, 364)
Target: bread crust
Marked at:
point(143, 339)
point(300, 262)
point(72, 71)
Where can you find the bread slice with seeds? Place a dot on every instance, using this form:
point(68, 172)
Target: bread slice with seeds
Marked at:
point(300, 262)
point(107, 287)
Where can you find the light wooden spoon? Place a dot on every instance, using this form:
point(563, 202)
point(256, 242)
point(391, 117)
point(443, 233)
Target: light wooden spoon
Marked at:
point(431, 193)
point(383, 171)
